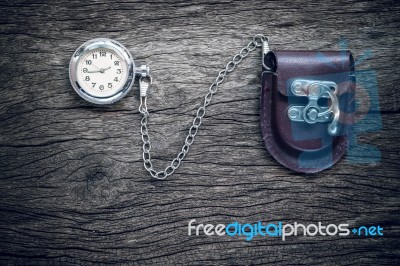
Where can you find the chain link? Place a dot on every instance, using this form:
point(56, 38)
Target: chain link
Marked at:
point(176, 162)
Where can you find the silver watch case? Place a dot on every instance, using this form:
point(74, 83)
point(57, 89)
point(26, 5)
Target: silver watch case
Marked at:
point(109, 44)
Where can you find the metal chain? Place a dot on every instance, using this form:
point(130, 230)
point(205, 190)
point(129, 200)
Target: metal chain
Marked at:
point(169, 170)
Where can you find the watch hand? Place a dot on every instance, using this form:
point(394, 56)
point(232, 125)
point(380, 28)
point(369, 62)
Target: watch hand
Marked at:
point(101, 70)
point(104, 69)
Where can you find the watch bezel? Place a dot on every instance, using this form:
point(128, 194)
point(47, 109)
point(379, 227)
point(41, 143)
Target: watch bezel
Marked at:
point(106, 44)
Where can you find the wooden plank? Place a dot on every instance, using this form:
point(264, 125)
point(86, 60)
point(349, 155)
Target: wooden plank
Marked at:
point(72, 184)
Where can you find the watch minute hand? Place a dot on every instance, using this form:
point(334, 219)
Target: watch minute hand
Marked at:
point(104, 69)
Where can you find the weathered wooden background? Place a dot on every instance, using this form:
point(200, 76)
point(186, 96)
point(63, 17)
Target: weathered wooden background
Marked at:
point(72, 186)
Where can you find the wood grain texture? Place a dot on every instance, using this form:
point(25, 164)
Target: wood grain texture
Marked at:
point(72, 186)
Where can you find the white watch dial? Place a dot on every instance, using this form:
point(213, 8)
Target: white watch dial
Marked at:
point(101, 72)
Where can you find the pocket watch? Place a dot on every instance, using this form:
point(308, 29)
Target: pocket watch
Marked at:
point(102, 71)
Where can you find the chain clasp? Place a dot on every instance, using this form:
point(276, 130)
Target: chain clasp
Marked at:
point(144, 82)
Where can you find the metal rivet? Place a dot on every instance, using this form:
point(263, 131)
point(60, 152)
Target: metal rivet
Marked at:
point(293, 113)
point(312, 114)
point(315, 90)
point(297, 86)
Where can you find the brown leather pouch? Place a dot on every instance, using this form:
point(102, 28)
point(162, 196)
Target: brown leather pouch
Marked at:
point(307, 107)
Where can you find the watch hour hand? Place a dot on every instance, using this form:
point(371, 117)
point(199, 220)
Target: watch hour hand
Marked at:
point(101, 70)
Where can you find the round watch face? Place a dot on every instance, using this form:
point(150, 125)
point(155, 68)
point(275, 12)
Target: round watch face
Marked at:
point(102, 71)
